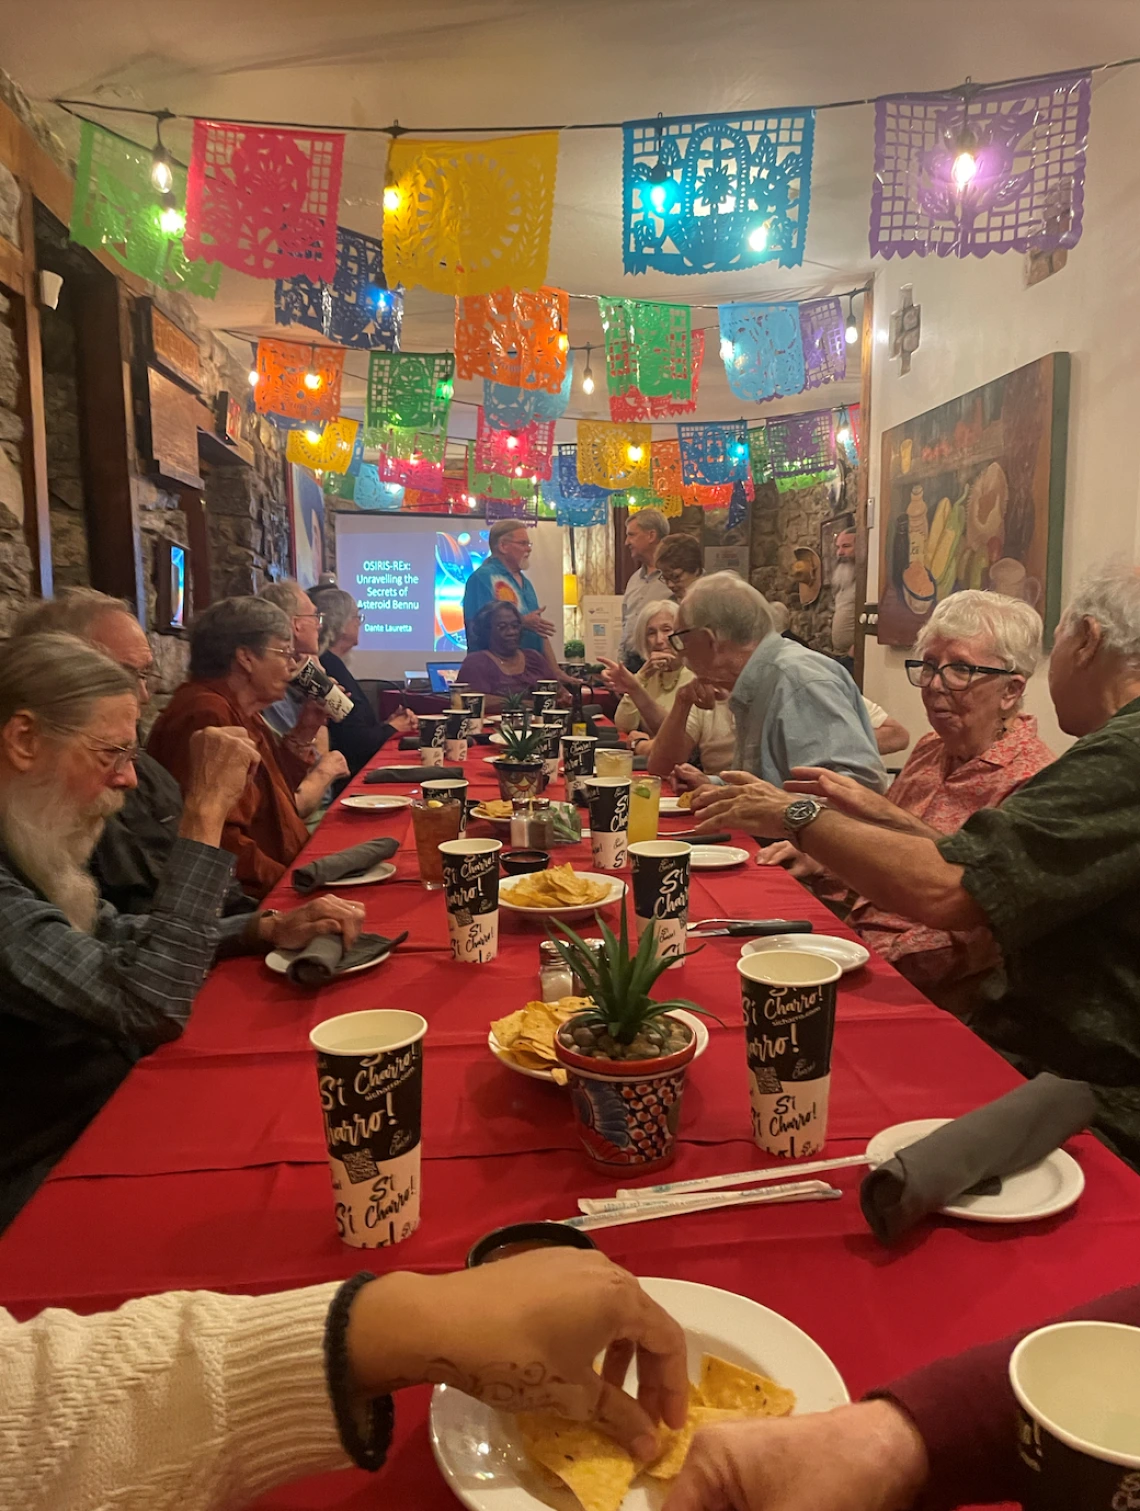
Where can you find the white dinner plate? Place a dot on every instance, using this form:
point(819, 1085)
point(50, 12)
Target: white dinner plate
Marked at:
point(578, 910)
point(716, 857)
point(1047, 1187)
point(379, 872)
point(497, 739)
point(671, 805)
point(376, 802)
point(700, 1033)
point(488, 818)
point(483, 1462)
point(280, 961)
point(845, 952)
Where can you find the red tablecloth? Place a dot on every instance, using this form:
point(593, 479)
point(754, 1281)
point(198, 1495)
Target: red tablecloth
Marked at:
point(207, 1168)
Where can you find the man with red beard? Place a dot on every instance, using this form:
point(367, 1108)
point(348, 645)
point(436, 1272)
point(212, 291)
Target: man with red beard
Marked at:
point(84, 991)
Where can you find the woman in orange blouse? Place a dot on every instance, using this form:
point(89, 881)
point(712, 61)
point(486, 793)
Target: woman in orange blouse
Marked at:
point(241, 659)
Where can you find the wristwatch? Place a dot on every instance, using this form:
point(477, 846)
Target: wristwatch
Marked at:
point(799, 814)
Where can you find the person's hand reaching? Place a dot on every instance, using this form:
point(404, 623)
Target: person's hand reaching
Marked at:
point(783, 853)
point(321, 915)
point(535, 621)
point(522, 1334)
point(618, 678)
point(403, 721)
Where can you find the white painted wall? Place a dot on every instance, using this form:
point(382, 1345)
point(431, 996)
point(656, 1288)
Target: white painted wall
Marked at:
point(979, 320)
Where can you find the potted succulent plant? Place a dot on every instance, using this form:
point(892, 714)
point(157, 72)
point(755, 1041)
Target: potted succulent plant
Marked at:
point(519, 768)
point(625, 1057)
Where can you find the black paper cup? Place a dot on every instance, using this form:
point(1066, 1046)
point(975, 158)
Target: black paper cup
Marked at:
point(471, 891)
point(455, 694)
point(608, 800)
point(432, 734)
point(661, 893)
point(474, 706)
point(370, 1077)
point(1078, 1394)
point(789, 1022)
point(455, 737)
point(445, 790)
point(541, 701)
point(577, 763)
point(551, 733)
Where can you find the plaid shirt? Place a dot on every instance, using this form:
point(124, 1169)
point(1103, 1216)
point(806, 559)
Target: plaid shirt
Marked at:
point(77, 1010)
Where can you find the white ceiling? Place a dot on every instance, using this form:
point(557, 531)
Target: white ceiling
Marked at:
point(517, 63)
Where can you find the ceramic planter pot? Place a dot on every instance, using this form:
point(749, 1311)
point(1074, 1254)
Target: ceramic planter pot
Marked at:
point(627, 1112)
point(519, 778)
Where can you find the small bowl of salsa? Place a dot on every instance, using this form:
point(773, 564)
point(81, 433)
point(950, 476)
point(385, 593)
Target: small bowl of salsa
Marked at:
point(522, 1237)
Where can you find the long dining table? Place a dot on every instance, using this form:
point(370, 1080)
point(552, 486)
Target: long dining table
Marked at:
point(207, 1169)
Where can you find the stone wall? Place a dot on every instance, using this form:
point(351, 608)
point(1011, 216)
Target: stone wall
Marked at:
point(66, 502)
point(15, 559)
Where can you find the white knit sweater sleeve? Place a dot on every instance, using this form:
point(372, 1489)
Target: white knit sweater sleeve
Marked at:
point(184, 1402)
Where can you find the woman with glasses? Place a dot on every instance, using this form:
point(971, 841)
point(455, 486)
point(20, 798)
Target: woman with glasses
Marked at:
point(360, 734)
point(972, 660)
point(241, 660)
point(680, 561)
point(647, 694)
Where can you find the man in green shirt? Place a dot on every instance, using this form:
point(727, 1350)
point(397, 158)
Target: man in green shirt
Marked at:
point(1054, 872)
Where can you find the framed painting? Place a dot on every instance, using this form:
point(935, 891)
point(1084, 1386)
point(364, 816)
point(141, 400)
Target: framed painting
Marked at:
point(307, 525)
point(972, 495)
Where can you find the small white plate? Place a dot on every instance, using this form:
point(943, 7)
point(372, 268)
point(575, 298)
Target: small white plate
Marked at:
point(577, 910)
point(700, 1033)
point(497, 739)
point(280, 961)
point(488, 818)
point(671, 805)
point(845, 952)
point(1043, 1190)
point(379, 872)
point(375, 802)
point(716, 857)
point(482, 1461)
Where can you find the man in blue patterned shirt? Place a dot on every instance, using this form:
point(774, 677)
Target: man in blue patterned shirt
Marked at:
point(85, 992)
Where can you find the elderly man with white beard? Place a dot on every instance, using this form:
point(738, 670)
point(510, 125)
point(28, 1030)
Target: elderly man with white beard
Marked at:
point(85, 992)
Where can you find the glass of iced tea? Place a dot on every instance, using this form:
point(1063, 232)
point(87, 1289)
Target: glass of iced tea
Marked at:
point(644, 807)
point(613, 760)
point(433, 822)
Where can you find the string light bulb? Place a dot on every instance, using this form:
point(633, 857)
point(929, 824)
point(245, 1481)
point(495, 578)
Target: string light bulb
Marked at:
point(171, 220)
point(254, 375)
point(512, 442)
point(161, 168)
point(313, 437)
point(563, 341)
point(850, 329)
point(727, 349)
point(843, 434)
point(588, 376)
point(635, 453)
point(965, 166)
point(758, 239)
point(312, 379)
point(393, 194)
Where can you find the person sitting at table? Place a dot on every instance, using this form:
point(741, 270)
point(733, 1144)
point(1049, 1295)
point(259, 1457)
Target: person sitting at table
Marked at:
point(942, 1437)
point(205, 1402)
point(647, 694)
point(680, 561)
point(972, 660)
point(499, 665)
point(785, 700)
point(83, 991)
point(1053, 872)
point(241, 659)
point(361, 733)
point(501, 579)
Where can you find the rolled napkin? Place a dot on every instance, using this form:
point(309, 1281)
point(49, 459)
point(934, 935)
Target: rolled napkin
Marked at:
point(999, 1139)
point(325, 957)
point(354, 861)
point(412, 774)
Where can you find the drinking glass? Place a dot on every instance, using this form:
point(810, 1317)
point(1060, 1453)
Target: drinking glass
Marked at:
point(644, 804)
point(432, 823)
point(611, 760)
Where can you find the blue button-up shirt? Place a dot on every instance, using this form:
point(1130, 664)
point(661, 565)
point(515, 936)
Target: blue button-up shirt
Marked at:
point(493, 582)
point(794, 707)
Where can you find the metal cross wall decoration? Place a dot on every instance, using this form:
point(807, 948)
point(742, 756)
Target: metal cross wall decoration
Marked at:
point(906, 328)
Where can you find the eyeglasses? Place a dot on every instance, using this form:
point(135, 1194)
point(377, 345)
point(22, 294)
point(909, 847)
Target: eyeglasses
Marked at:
point(147, 677)
point(956, 675)
point(677, 638)
point(114, 758)
point(290, 654)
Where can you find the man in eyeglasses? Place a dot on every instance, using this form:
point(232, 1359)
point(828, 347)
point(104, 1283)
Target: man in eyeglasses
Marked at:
point(1054, 872)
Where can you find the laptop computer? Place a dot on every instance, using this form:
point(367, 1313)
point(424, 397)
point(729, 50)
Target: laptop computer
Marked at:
point(442, 674)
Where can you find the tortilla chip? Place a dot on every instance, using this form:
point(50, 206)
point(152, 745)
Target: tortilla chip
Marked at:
point(527, 1035)
point(584, 1458)
point(667, 1465)
point(685, 801)
point(729, 1386)
point(556, 887)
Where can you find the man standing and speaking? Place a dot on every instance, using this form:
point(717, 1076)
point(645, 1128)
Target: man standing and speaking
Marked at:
point(501, 579)
point(644, 533)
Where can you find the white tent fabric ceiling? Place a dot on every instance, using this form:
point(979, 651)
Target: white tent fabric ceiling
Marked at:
point(517, 63)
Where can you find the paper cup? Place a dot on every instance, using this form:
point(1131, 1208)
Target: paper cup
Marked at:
point(474, 705)
point(541, 701)
point(456, 692)
point(1078, 1393)
point(448, 789)
point(431, 755)
point(551, 733)
point(471, 891)
point(577, 764)
point(789, 1021)
point(608, 800)
point(661, 893)
point(433, 728)
point(370, 1078)
point(455, 738)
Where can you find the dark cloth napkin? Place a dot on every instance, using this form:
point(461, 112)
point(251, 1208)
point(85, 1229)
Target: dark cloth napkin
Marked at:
point(999, 1139)
point(413, 774)
point(354, 861)
point(326, 957)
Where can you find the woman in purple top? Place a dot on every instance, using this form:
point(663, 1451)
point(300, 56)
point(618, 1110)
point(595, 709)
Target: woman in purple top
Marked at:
point(497, 664)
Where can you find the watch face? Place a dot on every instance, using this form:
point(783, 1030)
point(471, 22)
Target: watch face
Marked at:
point(801, 812)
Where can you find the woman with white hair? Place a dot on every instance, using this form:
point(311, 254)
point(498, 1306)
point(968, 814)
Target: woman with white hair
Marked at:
point(972, 661)
point(647, 695)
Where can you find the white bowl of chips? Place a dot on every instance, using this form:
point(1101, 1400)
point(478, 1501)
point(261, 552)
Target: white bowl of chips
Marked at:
point(560, 892)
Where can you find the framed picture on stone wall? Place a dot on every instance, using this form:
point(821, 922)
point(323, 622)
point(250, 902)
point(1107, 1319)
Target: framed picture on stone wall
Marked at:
point(972, 495)
point(307, 526)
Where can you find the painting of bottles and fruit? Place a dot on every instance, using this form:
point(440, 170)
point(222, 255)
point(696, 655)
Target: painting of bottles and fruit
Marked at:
point(973, 496)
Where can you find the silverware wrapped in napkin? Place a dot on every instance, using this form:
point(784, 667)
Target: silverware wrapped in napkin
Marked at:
point(354, 861)
point(384, 774)
point(996, 1140)
point(326, 957)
